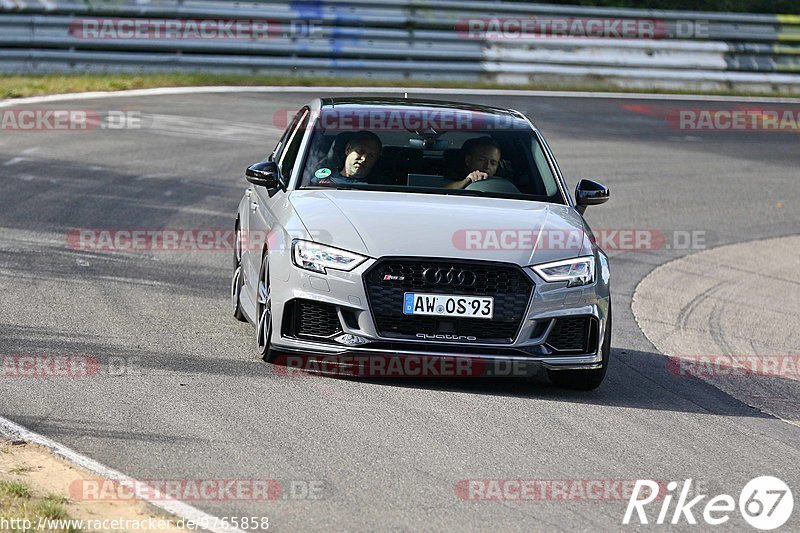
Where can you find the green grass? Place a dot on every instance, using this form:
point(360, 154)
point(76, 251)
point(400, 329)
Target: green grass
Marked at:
point(15, 489)
point(55, 498)
point(18, 502)
point(51, 507)
point(20, 470)
point(20, 86)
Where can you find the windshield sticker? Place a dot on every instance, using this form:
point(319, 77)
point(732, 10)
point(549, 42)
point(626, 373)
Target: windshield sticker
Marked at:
point(322, 173)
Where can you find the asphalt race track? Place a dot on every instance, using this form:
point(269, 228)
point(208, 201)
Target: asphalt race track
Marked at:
point(193, 401)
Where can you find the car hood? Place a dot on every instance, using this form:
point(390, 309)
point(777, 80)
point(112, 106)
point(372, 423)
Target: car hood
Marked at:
point(378, 224)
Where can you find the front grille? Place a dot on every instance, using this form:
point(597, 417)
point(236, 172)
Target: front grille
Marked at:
point(507, 284)
point(305, 318)
point(571, 334)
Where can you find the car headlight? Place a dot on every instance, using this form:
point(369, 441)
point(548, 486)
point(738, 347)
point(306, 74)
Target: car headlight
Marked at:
point(577, 272)
point(319, 257)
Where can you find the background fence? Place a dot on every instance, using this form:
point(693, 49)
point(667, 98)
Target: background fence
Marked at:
point(409, 39)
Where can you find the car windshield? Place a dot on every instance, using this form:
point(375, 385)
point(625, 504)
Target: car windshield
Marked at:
point(430, 151)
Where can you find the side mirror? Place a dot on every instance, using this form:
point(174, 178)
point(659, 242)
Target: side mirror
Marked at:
point(590, 192)
point(265, 174)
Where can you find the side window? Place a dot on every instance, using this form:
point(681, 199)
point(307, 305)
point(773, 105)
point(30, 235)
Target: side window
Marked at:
point(540, 159)
point(292, 148)
point(285, 136)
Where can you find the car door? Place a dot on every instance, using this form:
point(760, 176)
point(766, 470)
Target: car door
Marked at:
point(261, 214)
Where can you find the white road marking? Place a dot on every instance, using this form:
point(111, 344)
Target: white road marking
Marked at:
point(14, 431)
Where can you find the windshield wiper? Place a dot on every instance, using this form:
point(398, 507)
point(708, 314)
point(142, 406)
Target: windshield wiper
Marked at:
point(328, 188)
point(464, 192)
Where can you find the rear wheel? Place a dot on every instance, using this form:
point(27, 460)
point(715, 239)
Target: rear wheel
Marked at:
point(585, 379)
point(238, 281)
point(264, 314)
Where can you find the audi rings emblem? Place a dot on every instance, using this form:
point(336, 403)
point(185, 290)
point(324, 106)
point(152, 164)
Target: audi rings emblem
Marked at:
point(451, 276)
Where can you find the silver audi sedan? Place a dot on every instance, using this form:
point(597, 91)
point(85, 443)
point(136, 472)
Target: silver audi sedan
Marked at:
point(396, 229)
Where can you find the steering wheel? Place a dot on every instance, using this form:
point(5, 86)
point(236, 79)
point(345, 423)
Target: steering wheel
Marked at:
point(493, 184)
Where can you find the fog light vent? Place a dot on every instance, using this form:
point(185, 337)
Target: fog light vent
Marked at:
point(351, 340)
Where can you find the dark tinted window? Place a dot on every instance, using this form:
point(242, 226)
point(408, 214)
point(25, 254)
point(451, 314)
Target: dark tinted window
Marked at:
point(289, 154)
point(425, 150)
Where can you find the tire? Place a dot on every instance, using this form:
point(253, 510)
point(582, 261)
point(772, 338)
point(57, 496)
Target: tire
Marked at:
point(264, 314)
point(238, 280)
point(585, 380)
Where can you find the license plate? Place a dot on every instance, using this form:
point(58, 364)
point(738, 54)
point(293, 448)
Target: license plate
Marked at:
point(415, 303)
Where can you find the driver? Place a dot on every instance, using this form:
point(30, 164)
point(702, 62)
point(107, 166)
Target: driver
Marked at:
point(360, 155)
point(482, 159)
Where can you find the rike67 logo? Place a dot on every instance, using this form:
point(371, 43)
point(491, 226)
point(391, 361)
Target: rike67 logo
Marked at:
point(765, 503)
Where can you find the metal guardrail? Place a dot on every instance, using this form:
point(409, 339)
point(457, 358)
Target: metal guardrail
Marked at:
point(409, 39)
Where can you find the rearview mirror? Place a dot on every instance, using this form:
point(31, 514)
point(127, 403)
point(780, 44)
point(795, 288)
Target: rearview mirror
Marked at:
point(264, 174)
point(590, 192)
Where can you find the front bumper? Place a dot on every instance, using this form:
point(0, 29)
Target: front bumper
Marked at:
point(346, 292)
point(581, 362)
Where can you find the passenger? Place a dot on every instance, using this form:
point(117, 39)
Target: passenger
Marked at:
point(360, 155)
point(482, 159)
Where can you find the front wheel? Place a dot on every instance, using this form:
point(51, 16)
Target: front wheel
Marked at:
point(238, 281)
point(264, 314)
point(585, 379)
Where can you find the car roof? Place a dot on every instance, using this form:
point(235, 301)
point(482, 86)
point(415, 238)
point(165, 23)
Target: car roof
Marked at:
point(399, 103)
